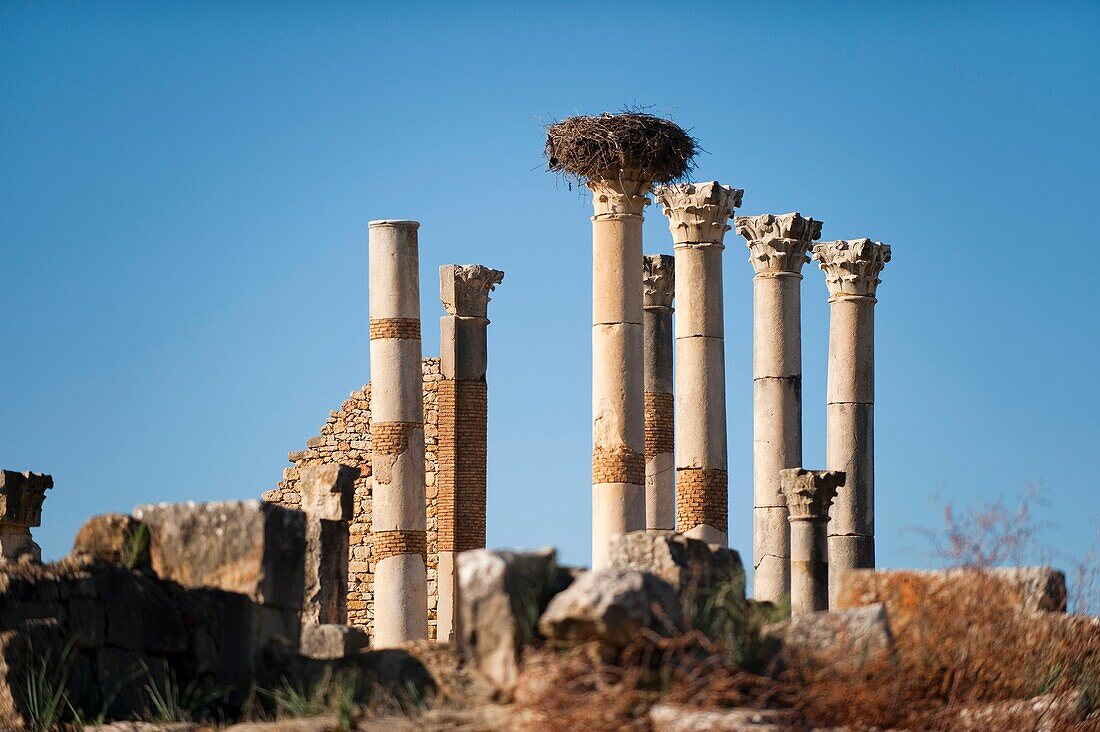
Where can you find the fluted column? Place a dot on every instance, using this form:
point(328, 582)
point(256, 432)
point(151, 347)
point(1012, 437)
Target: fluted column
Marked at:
point(851, 273)
point(809, 494)
point(778, 247)
point(463, 410)
point(618, 433)
point(697, 214)
point(398, 519)
point(660, 468)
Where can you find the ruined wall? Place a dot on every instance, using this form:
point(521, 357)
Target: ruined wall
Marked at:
point(345, 438)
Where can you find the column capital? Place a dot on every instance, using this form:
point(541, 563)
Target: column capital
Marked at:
point(658, 280)
point(810, 492)
point(852, 266)
point(697, 212)
point(778, 243)
point(464, 288)
point(624, 196)
point(21, 497)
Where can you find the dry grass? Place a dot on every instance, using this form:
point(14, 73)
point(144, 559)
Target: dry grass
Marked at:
point(610, 146)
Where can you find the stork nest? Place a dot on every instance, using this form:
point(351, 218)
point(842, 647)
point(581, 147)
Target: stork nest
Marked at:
point(605, 146)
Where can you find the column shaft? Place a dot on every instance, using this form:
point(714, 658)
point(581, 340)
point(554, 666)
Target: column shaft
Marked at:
point(398, 521)
point(660, 466)
point(618, 433)
point(701, 460)
point(463, 427)
point(809, 565)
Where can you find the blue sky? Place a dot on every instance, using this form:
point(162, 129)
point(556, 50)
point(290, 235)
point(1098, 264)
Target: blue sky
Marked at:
point(185, 190)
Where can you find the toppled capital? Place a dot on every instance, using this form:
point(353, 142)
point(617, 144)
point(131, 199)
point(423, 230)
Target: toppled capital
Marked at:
point(21, 497)
point(852, 266)
point(778, 242)
point(697, 212)
point(810, 492)
point(464, 288)
point(658, 280)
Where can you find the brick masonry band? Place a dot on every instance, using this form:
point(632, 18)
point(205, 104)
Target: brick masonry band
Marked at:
point(392, 438)
point(618, 465)
point(701, 498)
point(405, 328)
point(462, 456)
point(402, 541)
point(658, 424)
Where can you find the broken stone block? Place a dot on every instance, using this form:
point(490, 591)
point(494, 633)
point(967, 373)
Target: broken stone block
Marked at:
point(846, 641)
point(328, 491)
point(114, 538)
point(685, 718)
point(500, 596)
point(611, 606)
point(326, 572)
point(958, 591)
point(692, 567)
point(250, 547)
point(331, 641)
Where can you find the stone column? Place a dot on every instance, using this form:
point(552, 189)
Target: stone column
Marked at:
point(328, 498)
point(21, 498)
point(464, 290)
point(658, 279)
point(851, 273)
point(809, 494)
point(778, 247)
point(398, 520)
point(697, 214)
point(618, 432)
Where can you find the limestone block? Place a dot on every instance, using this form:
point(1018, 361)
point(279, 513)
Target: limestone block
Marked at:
point(328, 491)
point(699, 292)
point(846, 641)
point(501, 595)
point(463, 348)
point(691, 567)
point(326, 572)
point(331, 641)
point(611, 606)
point(850, 449)
point(777, 328)
point(666, 717)
point(1031, 589)
point(249, 547)
point(851, 352)
point(114, 538)
point(394, 263)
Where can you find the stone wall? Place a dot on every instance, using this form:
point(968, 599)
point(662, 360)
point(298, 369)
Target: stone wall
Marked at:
point(345, 438)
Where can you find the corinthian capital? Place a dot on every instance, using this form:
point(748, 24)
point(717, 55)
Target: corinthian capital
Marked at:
point(778, 242)
point(697, 212)
point(810, 492)
point(658, 280)
point(464, 288)
point(624, 196)
point(21, 497)
point(852, 266)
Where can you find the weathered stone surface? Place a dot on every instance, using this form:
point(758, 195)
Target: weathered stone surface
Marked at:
point(330, 641)
point(684, 718)
point(905, 592)
point(310, 724)
point(844, 640)
point(250, 547)
point(21, 497)
point(691, 566)
point(115, 538)
point(326, 572)
point(611, 606)
point(328, 491)
point(501, 595)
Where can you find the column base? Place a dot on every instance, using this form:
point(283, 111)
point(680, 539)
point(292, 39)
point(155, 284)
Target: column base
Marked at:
point(848, 552)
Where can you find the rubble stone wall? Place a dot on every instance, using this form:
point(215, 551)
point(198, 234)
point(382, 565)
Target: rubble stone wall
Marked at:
point(345, 439)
